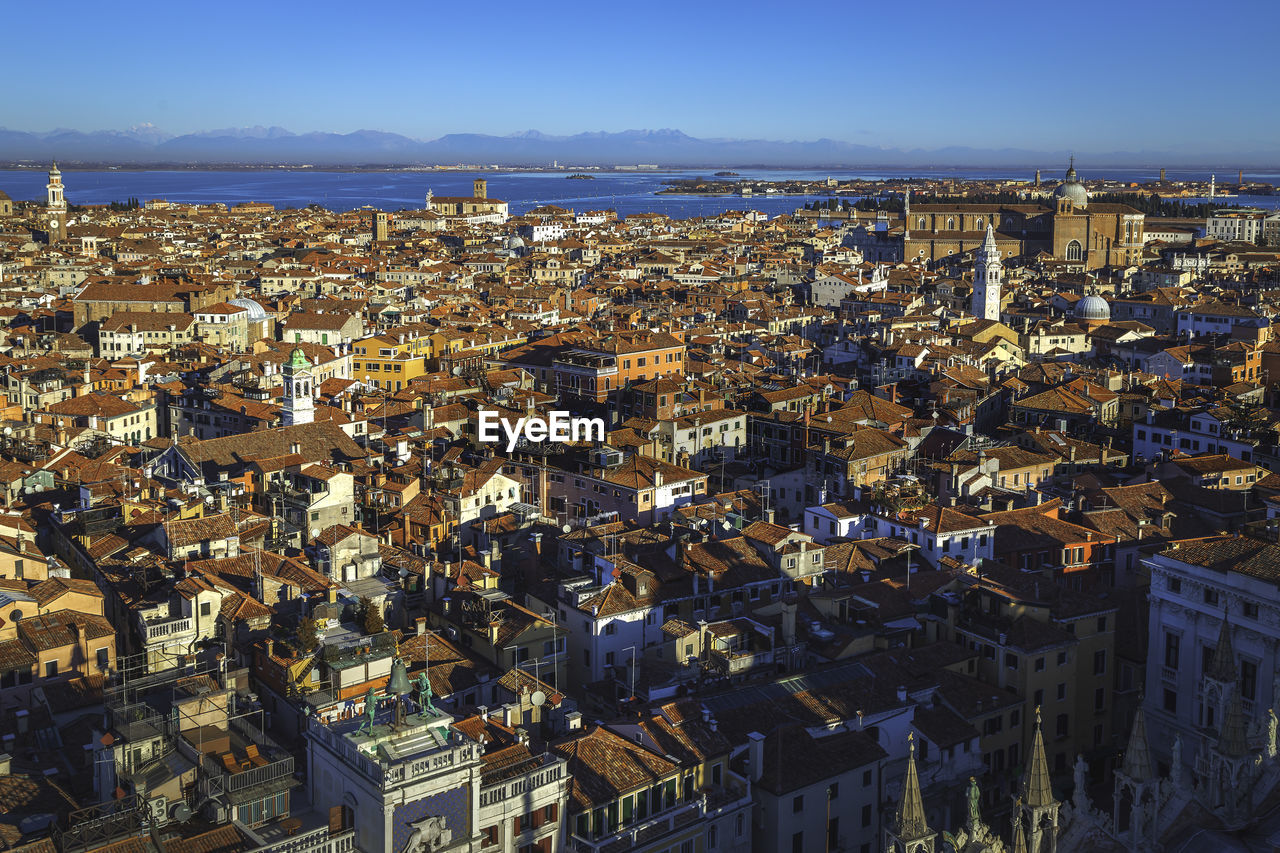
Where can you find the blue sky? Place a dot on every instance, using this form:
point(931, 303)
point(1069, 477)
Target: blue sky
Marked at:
point(1092, 76)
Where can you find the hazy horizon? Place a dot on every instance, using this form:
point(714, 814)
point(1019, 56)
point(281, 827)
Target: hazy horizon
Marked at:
point(1094, 78)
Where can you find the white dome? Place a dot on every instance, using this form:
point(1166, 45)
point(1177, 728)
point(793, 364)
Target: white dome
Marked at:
point(1072, 189)
point(256, 311)
point(1093, 307)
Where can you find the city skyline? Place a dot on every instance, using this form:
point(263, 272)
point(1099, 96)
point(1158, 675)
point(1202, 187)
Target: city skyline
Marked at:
point(972, 78)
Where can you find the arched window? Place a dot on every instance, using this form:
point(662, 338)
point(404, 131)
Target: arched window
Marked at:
point(921, 225)
point(951, 224)
point(1074, 251)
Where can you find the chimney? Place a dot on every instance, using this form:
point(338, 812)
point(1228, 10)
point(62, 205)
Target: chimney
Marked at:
point(512, 715)
point(755, 756)
point(789, 623)
point(5, 758)
point(271, 647)
point(420, 625)
point(573, 721)
point(902, 693)
point(483, 713)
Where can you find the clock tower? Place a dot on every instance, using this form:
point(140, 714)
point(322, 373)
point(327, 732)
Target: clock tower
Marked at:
point(56, 208)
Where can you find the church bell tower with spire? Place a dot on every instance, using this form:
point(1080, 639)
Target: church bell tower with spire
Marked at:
point(987, 274)
point(299, 407)
point(909, 830)
point(56, 207)
point(1037, 804)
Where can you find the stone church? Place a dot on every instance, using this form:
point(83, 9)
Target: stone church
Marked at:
point(1067, 227)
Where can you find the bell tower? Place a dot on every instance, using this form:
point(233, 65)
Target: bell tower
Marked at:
point(56, 206)
point(1037, 804)
point(987, 279)
point(299, 407)
point(908, 831)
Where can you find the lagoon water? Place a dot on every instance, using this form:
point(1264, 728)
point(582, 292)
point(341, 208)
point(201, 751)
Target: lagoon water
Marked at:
point(625, 192)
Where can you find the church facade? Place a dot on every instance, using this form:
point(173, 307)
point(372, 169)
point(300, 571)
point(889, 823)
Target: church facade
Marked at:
point(1068, 228)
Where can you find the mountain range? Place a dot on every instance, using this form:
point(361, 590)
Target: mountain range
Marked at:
point(146, 145)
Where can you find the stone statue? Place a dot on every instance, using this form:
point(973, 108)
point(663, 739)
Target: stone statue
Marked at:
point(1271, 733)
point(974, 798)
point(1080, 797)
point(428, 834)
point(370, 710)
point(1175, 764)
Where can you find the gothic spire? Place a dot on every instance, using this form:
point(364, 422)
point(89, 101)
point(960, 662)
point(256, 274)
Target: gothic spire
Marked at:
point(1019, 837)
point(1037, 790)
point(1137, 757)
point(989, 243)
point(1233, 741)
point(1223, 667)
point(911, 823)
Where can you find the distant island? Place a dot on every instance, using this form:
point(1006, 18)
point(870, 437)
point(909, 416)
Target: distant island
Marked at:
point(727, 175)
point(580, 177)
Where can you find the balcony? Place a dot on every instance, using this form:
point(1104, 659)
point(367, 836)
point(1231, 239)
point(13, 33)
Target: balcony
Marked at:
point(681, 818)
point(318, 840)
point(164, 628)
point(238, 761)
point(736, 662)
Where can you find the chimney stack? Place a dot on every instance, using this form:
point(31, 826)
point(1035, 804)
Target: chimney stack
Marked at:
point(756, 756)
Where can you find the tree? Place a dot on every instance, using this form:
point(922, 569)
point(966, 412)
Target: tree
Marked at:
point(370, 616)
point(308, 634)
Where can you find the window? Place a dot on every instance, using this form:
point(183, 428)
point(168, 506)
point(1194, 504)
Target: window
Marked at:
point(1100, 699)
point(866, 815)
point(797, 804)
point(1075, 251)
point(1064, 725)
point(50, 669)
point(1062, 691)
point(205, 608)
point(1210, 596)
point(1102, 624)
point(866, 778)
point(1248, 679)
point(1038, 698)
point(1062, 658)
point(1040, 664)
point(797, 843)
point(1100, 662)
point(1172, 645)
point(103, 657)
point(1250, 610)
point(833, 791)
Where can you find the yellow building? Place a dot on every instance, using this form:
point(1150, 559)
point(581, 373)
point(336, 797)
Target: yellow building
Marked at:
point(390, 362)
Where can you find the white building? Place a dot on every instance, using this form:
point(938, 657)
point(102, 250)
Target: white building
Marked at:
point(1234, 224)
point(987, 275)
point(397, 785)
point(1214, 628)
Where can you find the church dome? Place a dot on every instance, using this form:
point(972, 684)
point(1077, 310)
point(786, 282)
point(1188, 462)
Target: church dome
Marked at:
point(1072, 188)
point(515, 242)
point(254, 310)
point(1093, 308)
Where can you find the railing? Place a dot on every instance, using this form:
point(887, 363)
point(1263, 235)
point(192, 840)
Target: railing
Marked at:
point(548, 771)
point(675, 819)
point(735, 662)
point(218, 777)
point(318, 840)
point(1169, 675)
point(155, 629)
